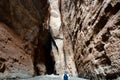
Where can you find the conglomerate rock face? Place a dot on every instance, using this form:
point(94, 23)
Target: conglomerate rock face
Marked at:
point(92, 33)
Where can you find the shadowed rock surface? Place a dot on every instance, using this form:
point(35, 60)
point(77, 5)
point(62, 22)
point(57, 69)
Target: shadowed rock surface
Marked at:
point(26, 18)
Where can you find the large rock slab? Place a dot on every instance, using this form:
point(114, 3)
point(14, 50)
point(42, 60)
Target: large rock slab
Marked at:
point(14, 60)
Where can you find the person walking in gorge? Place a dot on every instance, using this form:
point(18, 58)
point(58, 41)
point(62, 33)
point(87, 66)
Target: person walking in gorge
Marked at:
point(65, 76)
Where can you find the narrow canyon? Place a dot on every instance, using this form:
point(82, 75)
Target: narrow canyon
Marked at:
point(44, 37)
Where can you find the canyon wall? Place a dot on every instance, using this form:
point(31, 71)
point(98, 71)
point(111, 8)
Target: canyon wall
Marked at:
point(92, 34)
point(81, 37)
point(28, 52)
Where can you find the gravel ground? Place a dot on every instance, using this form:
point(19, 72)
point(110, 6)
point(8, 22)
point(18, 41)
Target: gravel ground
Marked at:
point(52, 77)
